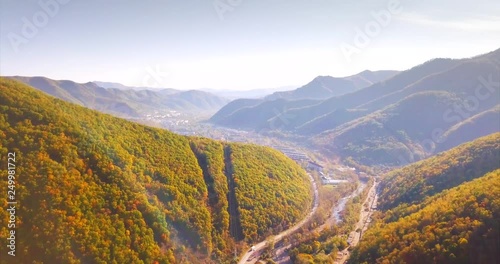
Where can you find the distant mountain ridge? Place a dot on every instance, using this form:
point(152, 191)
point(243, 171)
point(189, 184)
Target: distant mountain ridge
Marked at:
point(225, 93)
point(125, 102)
point(367, 77)
point(450, 91)
point(405, 126)
point(320, 88)
point(391, 135)
point(323, 87)
point(248, 94)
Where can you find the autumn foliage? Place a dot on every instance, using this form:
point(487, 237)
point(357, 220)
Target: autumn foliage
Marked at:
point(92, 188)
point(445, 209)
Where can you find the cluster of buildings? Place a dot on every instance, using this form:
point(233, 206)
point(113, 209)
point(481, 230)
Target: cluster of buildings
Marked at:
point(170, 119)
point(160, 116)
point(345, 168)
point(326, 179)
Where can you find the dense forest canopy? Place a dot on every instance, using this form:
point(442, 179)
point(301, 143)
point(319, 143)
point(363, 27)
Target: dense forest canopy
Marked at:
point(93, 188)
point(411, 184)
point(459, 225)
point(444, 209)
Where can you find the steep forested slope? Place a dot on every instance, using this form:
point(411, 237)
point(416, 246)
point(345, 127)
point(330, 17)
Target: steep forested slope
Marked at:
point(255, 177)
point(444, 209)
point(92, 188)
point(411, 184)
point(459, 225)
point(397, 134)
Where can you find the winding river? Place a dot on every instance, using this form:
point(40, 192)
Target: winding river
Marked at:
point(337, 210)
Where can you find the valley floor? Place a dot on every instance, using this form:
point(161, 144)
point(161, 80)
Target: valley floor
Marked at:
point(362, 224)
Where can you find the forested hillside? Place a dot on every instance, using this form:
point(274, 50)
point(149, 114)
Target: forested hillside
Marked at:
point(92, 188)
point(444, 209)
point(411, 184)
point(459, 225)
point(256, 177)
point(394, 134)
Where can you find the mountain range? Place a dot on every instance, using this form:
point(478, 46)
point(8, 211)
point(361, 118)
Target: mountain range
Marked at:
point(399, 118)
point(252, 93)
point(323, 87)
point(225, 93)
point(95, 188)
point(120, 86)
point(124, 101)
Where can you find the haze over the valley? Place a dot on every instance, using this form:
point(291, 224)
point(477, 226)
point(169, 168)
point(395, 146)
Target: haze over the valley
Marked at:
point(236, 45)
point(244, 132)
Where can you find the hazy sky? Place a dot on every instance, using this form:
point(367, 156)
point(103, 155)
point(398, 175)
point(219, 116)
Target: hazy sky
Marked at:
point(236, 44)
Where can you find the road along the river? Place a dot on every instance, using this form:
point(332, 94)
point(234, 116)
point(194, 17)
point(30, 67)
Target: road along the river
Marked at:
point(362, 224)
point(258, 248)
